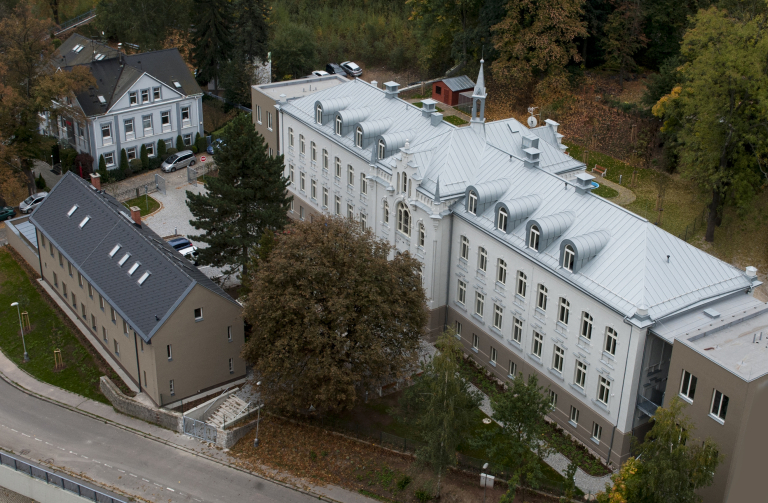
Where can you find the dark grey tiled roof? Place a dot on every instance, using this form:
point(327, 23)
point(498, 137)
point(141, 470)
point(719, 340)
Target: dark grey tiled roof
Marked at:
point(459, 83)
point(66, 55)
point(145, 307)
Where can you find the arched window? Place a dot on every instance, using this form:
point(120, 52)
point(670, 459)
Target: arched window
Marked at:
point(382, 149)
point(522, 284)
point(319, 114)
point(533, 238)
point(568, 256)
point(564, 311)
point(405, 182)
point(501, 272)
point(472, 203)
point(541, 298)
point(325, 159)
point(422, 235)
point(290, 137)
point(403, 219)
point(502, 223)
point(386, 212)
point(313, 151)
point(482, 259)
point(359, 137)
point(338, 125)
point(302, 150)
point(338, 167)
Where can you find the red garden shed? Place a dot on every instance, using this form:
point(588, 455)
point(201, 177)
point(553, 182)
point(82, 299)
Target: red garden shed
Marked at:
point(447, 90)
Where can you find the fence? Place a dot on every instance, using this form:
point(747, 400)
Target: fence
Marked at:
point(158, 184)
point(57, 480)
point(235, 105)
point(698, 222)
point(75, 21)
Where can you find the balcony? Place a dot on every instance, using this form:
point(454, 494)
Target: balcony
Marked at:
point(646, 406)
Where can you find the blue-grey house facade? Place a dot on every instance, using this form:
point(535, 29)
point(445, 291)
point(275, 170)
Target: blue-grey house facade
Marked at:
point(137, 100)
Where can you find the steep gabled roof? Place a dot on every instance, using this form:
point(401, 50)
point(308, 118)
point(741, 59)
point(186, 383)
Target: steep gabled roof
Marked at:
point(144, 306)
point(461, 83)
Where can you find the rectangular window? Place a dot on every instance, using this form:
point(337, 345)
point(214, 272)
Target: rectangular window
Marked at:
point(114, 318)
point(597, 432)
point(337, 164)
point(719, 405)
point(156, 93)
point(688, 385)
point(350, 175)
point(586, 326)
point(581, 374)
point(69, 268)
point(564, 311)
point(501, 272)
point(101, 302)
point(522, 284)
point(125, 327)
point(475, 341)
point(198, 313)
point(517, 330)
point(128, 126)
point(145, 378)
point(74, 302)
point(80, 279)
point(325, 197)
point(173, 391)
point(541, 298)
point(185, 121)
point(538, 343)
point(269, 121)
point(258, 114)
point(231, 365)
point(165, 120)
point(493, 355)
point(458, 330)
point(131, 153)
point(350, 211)
point(553, 399)
point(301, 144)
point(313, 189)
point(313, 151)
point(461, 293)
point(104, 333)
point(338, 205)
point(464, 248)
point(229, 333)
point(290, 173)
point(610, 341)
point(109, 158)
point(55, 280)
point(187, 138)
point(574, 415)
point(146, 122)
point(150, 149)
point(117, 347)
point(482, 260)
point(512, 369)
point(82, 309)
point(604, 390)
point(133, 98)
point(325, 159)
point(363, 221)
point(479, 303)
point(90, 290)
point(169, 350)
point(363, 184)
point(497, 316)
point(557, 362)
point(145, 95)
point(93, 323)
point(301, 212)
point(301, 181)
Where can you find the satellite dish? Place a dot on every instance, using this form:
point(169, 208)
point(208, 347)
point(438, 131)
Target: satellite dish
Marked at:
point(532, 121)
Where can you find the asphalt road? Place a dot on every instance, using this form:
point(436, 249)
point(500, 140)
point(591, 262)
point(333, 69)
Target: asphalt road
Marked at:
point(122, 460)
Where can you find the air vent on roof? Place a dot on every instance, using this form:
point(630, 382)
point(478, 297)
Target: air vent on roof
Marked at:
point(114, 250)
point(144, 277)
point(176, 83)
point(74, 208)
point(133, 268)
point(102, 100)
point(85, 221)
point(711, 313)
point(124, 259)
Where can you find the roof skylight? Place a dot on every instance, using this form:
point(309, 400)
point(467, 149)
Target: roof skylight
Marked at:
point(70, 212)
point(176, 83)
point(114, 250)
point(99, 57)
point(144, 277)
point(77, 48)
point(124, 259)
point(85, 221)
point(133, 268)
point(102, 100)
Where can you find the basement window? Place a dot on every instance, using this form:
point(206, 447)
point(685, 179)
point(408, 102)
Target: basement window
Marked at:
point(70, 212)
point(124, 259)
point(114, 250)
point(85, 221)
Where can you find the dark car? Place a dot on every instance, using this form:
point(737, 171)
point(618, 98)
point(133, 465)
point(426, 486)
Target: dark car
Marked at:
point(186, 248)
point(334, 68)
point(352, 69)
point(214, 145)
point(7, 212)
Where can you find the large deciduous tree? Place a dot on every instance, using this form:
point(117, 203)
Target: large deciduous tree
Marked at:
point(212, 38)
point(147, 23)
point(671, 464)
point(333, 316)
point(536, 40)
point(719, 110)
point(441, 406)
point(247, 198)
point(624, 37)
point(294, 52)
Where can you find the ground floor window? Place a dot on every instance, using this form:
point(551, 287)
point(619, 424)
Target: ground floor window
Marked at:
point(109, 158)
point(150, 149)
point(131, 151)
point(187, 139)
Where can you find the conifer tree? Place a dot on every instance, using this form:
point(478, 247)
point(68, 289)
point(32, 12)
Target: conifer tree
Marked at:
point(144, 157)
point(102, 165)
point(179, 143)
point(212, 38)
point(124, 160)
point(247, 198)
point(160, 148)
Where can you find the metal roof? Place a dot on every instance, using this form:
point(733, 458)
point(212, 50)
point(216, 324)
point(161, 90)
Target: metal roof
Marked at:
point(145, 307)
point(461, 83)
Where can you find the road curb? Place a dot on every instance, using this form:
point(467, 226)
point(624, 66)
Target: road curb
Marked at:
point(318, 496)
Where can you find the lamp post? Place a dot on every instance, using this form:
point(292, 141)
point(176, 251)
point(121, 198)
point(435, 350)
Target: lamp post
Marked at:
point(258, 419)
point(485, 481)
point(21, 327)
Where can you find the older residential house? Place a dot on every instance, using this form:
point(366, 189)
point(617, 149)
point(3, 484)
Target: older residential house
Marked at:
point(167, 325)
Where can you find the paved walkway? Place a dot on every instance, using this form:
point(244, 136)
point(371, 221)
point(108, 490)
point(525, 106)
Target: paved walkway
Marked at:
point(49, 176)
point(625, 196)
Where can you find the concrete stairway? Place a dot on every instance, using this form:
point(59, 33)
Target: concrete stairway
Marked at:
point(227, 411)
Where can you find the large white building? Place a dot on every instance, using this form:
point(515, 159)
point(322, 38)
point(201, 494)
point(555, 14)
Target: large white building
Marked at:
point(536, 273)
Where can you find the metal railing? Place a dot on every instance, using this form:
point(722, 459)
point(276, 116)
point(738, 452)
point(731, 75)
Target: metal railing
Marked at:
point(75, 20)
point(57, 480)
point(696, 224)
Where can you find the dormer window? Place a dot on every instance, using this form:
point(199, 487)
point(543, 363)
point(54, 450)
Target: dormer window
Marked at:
point(568, 257)
point(359, 137)
point(502, 222)
point(533, 238)
point(319, 114)
point(472, 203)
point(338, 125)
point(382, 149)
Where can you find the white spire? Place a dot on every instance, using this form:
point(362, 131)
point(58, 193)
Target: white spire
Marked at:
point(477, 121)
point(480, 86)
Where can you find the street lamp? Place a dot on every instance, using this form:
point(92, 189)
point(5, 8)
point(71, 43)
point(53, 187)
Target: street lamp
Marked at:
point(258, 420)
point(485, 481)
point(21, 327)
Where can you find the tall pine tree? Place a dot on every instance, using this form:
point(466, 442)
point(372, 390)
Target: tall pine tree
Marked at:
point(252, 36)
point(212, 39)
point(248, 198)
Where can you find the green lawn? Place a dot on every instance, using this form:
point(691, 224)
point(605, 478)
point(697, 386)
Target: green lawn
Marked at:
point(145, 203)
point(605, 191)
point(455, 120)
point(80, 374)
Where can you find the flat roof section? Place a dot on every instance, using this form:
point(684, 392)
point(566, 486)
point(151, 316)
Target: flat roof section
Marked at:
point(299, 88)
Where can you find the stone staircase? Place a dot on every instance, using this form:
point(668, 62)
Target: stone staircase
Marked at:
point(227, 411)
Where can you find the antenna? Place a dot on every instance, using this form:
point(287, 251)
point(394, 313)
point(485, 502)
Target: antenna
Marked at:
point(532, 122)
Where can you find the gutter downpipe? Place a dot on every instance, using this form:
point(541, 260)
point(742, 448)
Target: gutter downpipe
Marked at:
point(448, 278)
point(624, 380)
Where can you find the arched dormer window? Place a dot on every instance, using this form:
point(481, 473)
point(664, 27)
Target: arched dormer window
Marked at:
point(382, 149)
point(338, 125)
point(319, 114)
point(533, 238)
point(359, 137)
point(472, 203)
point(568, 256)
point(502, 221)
point(405, 182)
point(403, 219)
point(386, 212)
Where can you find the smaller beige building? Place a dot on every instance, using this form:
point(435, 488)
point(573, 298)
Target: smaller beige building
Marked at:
point(168, 326)
point(264, 98)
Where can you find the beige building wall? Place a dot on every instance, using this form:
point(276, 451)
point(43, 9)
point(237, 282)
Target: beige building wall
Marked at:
point(20, 243)
point(262, 107)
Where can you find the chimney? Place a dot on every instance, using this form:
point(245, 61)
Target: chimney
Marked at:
point(283, 98)
point(96, 181)
point(136, 215)
point(531, 149)
point(428, 107)
point(374, 83)
point(391, 89)
point(584, 182)
point(751, 272)
point(436, 118)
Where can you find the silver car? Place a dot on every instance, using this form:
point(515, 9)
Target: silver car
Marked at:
point(32, 202)
point(178, 160)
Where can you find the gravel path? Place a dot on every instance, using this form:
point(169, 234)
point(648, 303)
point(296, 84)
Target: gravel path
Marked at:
point(625, 196)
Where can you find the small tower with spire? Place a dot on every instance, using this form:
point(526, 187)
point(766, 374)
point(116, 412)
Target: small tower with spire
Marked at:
point(478, 102)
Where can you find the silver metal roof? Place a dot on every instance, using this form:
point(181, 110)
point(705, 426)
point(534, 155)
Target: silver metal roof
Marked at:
point(460, 83)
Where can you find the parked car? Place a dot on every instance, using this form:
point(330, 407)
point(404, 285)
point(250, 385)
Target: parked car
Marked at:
point(319, 73)
point(178, 161)
point(214, 145)
point(32, 202)
point(7, 212)
point(352, 69)
point(186, 248)
point(335, 69)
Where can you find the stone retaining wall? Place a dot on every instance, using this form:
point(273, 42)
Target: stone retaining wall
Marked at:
point(227, 438)
point(128, 406)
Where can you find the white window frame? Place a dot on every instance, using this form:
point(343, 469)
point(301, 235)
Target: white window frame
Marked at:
point(130, 132)
point(512, 369)
point(553, 399)
point(558, 358)
point(472, 202)
point(188, 121)
point(359, 137)
point(574, 416)
point(501, 223)
point(501, 271)
point(604, 390)
point(541, 297)
point(719, 406)
point(302, 181)
point(688, 386)
point(313, 189)
point(482, 259)
point(475, 341)
point(580, 374)
point(106, 140)
point(538, 344)
point(479, 304)
point(498, 316)
point(145, 95)
point(130, 152)
point(318, 114)
point(493, 356)
point(133, 98)
point(597, 432)
point(338, 125)
point(290, 137)
point(169, 351)
point(533, 238)
point(350, 175)
point(337, 163)
point(564, 311)
point(350, 212)
point(461, 293)
point(156, 94)
point(109, 158)
point(422, 234)
point(403, 219)
point(172, 388)
point(325, 160)
point(568, 257)
point(363, 184)
point(165, 120)
point(382, 149)
point(338, 205)
point(522, 284)
point(464, 250)
point(386, 212)
point(586, 326)
point(325, 197)
point(611, 338)
point(517, 330)
point(302, 145)
point(269, 121)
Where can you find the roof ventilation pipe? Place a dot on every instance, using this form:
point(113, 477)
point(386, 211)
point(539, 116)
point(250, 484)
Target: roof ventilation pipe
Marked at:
point(392, 89)
point(428, 107)
point(584, 182)
point(531, 149)
point(751, 272)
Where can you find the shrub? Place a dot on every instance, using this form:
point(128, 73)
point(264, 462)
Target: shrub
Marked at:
point(102, 165)
point(136, 165)
point(40, 182)
point(161, 148)
point(403, 482)
point(56, 43)
point(123, 160)
point(200, 143)
point(179, 143)
point(171, 151)
point(144, 157)
point(423, 495)
point(155, 162)
point(193, 148)
point(67, 159)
